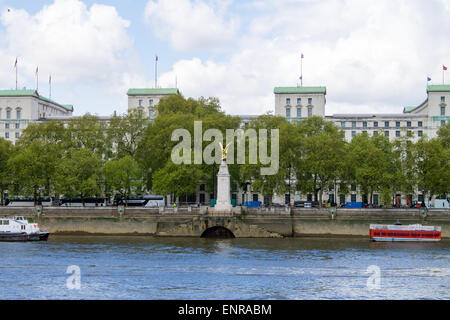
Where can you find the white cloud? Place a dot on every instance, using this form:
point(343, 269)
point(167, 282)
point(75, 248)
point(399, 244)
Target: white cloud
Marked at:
point(74, 43)
point(372, 56)
point(191, 25)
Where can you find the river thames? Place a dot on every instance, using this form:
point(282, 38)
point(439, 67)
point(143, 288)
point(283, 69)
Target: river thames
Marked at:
point(191, 268)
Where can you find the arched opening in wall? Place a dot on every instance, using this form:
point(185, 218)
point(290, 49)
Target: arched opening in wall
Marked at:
point(218, 232)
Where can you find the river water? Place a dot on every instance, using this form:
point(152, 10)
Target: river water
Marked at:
point(187, 268)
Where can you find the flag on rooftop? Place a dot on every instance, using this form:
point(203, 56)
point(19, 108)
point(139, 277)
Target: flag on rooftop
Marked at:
point(302, 56)
point(15, 64)
point(444, 67)
point(428, 79)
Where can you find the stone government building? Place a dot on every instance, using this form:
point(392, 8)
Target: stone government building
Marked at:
point(18, 108)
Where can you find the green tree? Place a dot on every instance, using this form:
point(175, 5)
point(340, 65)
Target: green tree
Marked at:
point(177, 180)
point(124, 175)
point(372, 162)
point(282, 181)
point(126, 132)
point(433, 166)
point(322, 151)
point(32, 169)
point(79, 174)
point(6, 149)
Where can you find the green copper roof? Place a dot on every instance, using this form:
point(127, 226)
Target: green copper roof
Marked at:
point(5, 93)
point(438, 87)
point(300, 90)
point(17, 92)
point(153, 91)
point(409, 108)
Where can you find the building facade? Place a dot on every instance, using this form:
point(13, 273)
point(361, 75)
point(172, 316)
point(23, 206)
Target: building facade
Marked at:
point(147, 99)
point(298, 103)
point(18, 108)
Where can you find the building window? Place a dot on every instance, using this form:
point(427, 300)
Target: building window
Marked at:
point(309, 112)
point(309, 100)
point(8, 114)
point(353, 124)
point(18, 114)
point(365, 124)
point(342, 124)
point(408, 123)
point(375, 133)
point(364, 131)
point(202, 187)
point(288, 101)
point(442, 111)
point(299, 100)
point(442, 123)
point(397, 133)
point(17, 125)
point(386, 124)
point(6, 125)
point(140, 103)
point(150, 102)
point(419, 124)
point(17, 135)
point(386, 133)
point(375, 124)
point(288, 112)
point(353, 197)
point(397, 124)
point(420, 133)
point(299, 112)
point(6, 135)
point(353, 133)
point(442, 99)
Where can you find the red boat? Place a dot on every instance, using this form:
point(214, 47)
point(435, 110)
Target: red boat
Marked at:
point(397, 232)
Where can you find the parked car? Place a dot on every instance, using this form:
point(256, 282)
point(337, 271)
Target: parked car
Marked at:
point(278, 205)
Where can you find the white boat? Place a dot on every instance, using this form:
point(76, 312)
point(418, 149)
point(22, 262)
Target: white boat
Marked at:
point(19, 229)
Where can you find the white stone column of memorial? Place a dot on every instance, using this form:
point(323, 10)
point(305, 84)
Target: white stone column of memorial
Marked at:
point(223, 205)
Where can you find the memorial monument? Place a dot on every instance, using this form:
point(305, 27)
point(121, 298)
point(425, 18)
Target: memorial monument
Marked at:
point(223, 205)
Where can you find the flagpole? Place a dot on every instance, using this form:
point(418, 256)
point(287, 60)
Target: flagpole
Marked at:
point(15, 65)
point(37, 79)
point(301, 70)
point(50, 84)
point(156, 72)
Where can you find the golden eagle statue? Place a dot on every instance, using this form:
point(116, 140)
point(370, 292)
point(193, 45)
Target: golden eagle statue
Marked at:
point(224, 151)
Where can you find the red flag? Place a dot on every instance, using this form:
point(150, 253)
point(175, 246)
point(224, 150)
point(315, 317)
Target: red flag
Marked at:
point(15, 64)
point(444, 67)
point(156, 58)
point(302, 56)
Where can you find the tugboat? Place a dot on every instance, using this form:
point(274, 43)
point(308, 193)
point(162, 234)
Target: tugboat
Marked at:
point(19, 229)
point(398, 232)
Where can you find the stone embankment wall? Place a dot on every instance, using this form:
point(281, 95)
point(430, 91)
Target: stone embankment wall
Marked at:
point(192, 222)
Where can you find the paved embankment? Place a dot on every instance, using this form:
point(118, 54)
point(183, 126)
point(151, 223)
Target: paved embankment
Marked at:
point(244, 223)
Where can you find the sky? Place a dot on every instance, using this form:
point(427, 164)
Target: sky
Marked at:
point(373, 56)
